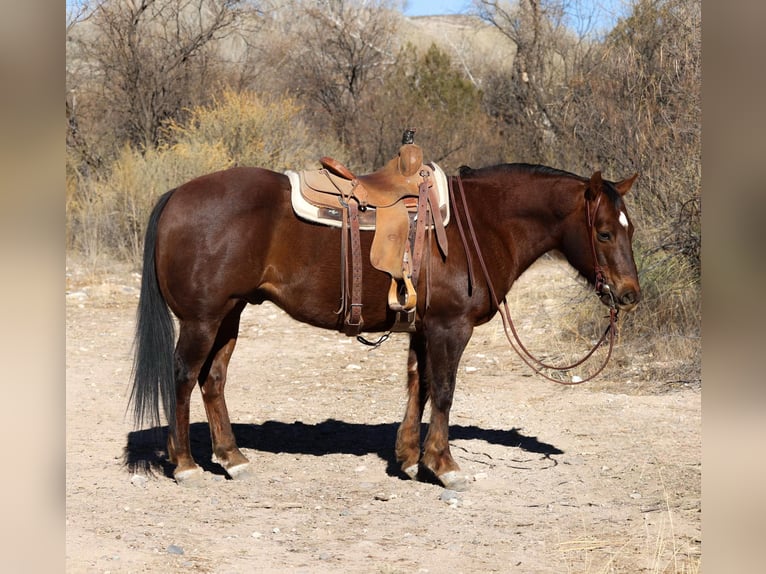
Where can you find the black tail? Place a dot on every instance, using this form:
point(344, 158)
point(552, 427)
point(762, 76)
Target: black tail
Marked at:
point(153, 361)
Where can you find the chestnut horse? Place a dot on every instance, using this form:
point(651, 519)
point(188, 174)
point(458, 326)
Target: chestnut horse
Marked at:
point(230, 238)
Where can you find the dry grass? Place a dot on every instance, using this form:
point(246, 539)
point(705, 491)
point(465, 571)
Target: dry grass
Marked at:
point(658, 346)
point(666, 550)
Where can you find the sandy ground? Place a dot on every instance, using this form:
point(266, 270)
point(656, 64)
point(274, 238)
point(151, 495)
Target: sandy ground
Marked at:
point(601, 477)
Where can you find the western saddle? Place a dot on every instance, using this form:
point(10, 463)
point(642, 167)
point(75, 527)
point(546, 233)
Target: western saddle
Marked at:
point(400, 203)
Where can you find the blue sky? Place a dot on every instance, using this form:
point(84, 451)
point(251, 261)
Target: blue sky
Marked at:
point(434, 7)
point(603, 12)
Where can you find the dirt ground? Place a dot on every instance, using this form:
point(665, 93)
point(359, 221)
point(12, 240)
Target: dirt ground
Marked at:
point(600, 477)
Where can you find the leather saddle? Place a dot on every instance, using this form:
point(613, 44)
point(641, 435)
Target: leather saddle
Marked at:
point(397, 201)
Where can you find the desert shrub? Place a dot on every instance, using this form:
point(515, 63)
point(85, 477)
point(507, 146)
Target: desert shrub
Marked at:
point(655, 68)
point(634, 105)
point(137, 64)
point(109, 214)
point(254, 132)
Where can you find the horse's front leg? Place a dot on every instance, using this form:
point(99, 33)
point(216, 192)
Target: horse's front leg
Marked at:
point(408, 435)
point(444, 349)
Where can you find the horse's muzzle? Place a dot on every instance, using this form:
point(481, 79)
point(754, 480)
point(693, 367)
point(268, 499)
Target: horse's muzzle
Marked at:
point(624, 300)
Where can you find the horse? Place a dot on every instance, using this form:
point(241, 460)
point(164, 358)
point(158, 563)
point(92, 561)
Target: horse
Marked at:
point(231, 238)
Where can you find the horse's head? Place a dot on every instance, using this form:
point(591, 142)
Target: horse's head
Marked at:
point(602, 237)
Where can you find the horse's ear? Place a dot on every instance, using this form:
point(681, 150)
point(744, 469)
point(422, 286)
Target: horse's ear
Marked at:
point(624, 186)
point(594, 187)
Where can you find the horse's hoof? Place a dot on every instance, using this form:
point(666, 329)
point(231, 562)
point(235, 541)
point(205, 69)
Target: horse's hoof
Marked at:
point(412, 471)
point(454, 480)
point(240, 471)
point(192, 477)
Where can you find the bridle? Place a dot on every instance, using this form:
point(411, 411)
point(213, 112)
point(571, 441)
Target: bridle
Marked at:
point(601, 287)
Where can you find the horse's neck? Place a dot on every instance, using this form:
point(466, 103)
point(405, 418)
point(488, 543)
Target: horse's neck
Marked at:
point(511, 224)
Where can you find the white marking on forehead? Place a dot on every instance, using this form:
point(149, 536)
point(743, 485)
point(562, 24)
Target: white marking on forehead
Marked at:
point(623, 220)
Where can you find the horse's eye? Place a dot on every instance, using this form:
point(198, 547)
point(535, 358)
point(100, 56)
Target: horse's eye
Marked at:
point(604, 236)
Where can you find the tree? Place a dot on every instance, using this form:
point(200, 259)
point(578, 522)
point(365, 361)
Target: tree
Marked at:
point(429, 93)
point(523, 100)
point(345, 47)
point(146, 60)
point(645, 102)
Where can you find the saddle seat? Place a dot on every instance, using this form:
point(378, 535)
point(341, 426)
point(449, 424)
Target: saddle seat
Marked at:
point(396, 180)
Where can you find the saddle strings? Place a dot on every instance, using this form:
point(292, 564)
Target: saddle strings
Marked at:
point(343, 263)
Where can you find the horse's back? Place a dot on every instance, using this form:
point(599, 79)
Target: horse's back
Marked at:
point(232, 190)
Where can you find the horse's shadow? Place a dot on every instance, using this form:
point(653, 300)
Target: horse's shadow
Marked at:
point(145, 449)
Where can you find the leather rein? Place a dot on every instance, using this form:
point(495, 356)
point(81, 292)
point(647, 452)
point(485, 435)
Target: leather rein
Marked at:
point(601, 288)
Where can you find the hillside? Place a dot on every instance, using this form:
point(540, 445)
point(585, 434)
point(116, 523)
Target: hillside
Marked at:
point(467, 39)
point(462, 37)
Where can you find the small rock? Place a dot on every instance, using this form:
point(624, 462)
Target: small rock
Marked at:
point(256, 534)
point(471, 369)
point(451, 497)
point(384, 497)
point(138, 480)
point(173, 549)
point(353, 367)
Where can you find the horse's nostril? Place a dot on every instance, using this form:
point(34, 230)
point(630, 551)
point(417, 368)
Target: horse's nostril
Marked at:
point(630, 298)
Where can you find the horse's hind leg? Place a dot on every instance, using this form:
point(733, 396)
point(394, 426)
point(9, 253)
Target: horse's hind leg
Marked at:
point(195, 341)
point(408, 434)
point(212, 385)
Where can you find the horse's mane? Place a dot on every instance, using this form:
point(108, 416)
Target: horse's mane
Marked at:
point(465, 171)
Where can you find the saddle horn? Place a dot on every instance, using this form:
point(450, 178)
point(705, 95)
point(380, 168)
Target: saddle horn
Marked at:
point(410, 155)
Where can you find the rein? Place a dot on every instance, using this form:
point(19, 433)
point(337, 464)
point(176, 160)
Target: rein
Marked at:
point(600, 284)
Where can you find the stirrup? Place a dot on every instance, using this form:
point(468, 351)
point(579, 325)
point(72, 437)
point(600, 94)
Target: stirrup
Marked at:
point(410, 297)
